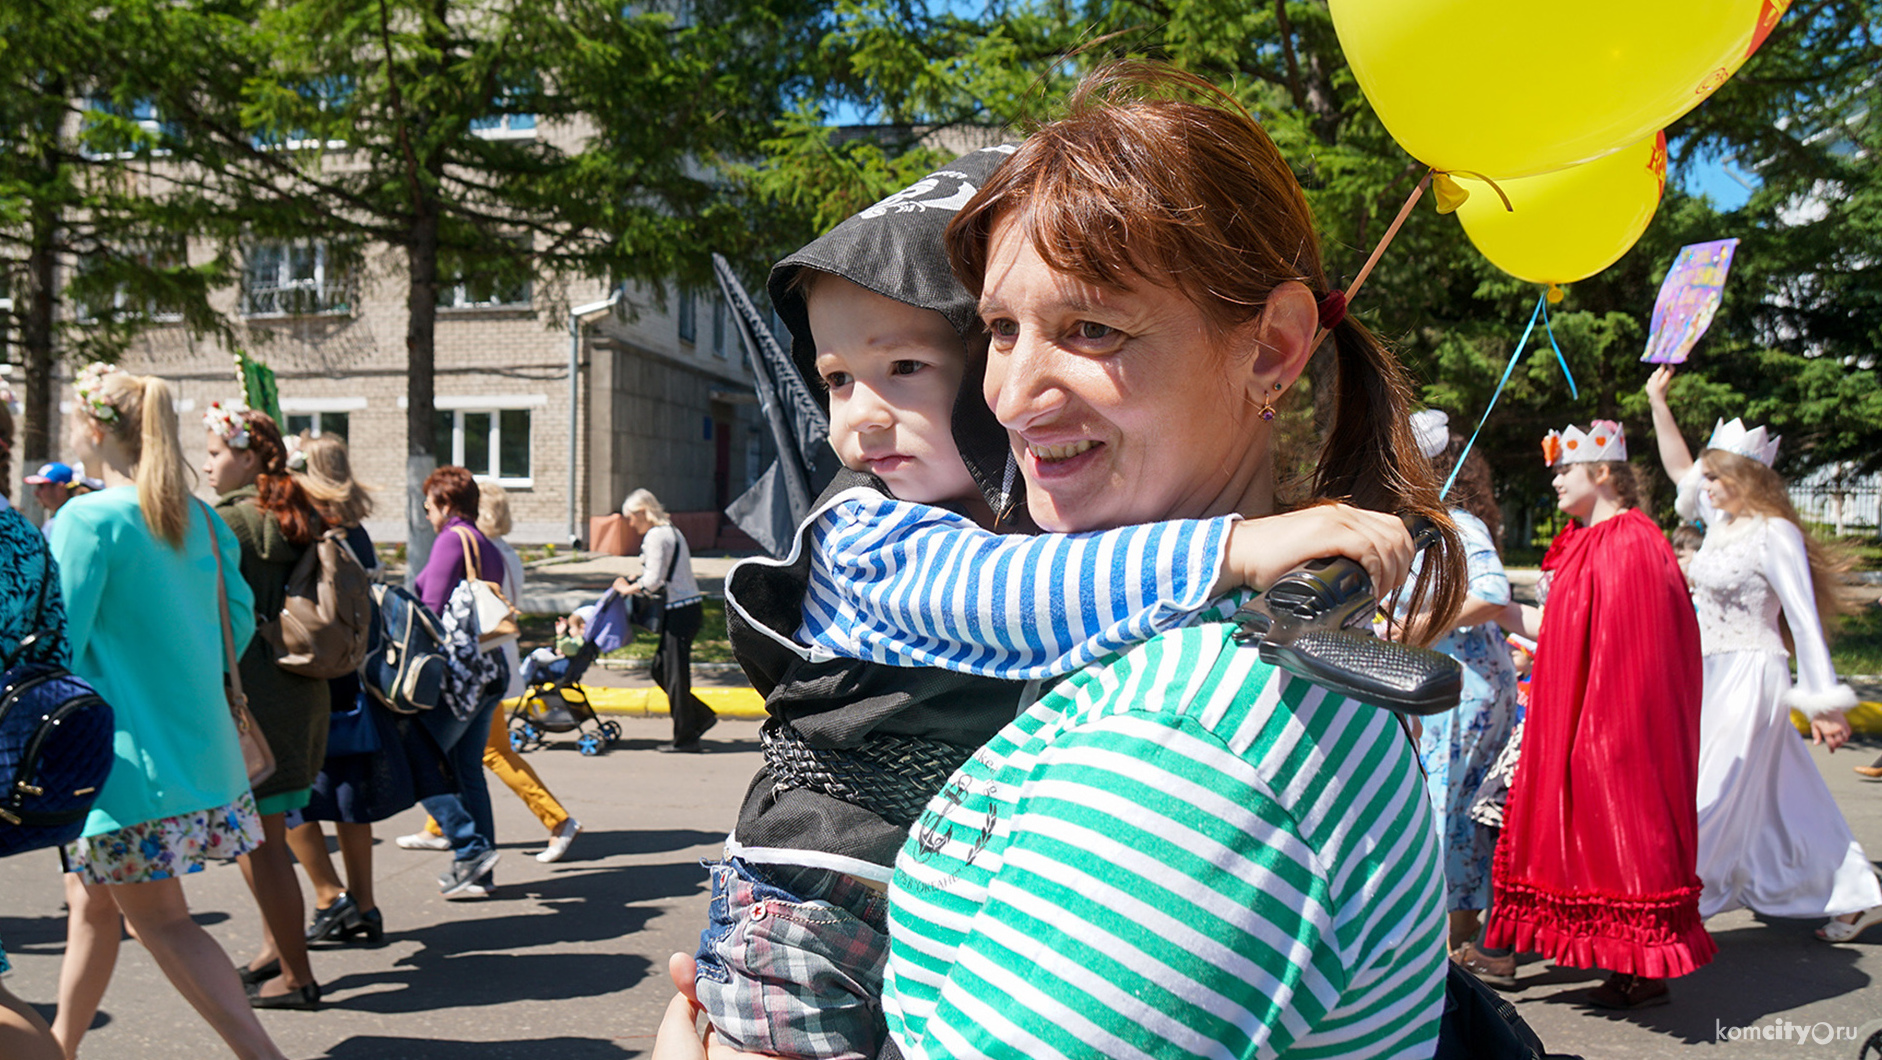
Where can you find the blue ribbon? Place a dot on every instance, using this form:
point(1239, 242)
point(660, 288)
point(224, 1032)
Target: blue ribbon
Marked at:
point(1540, 312)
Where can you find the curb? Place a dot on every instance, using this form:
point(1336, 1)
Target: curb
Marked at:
point(651, 702)
point(1865, 719)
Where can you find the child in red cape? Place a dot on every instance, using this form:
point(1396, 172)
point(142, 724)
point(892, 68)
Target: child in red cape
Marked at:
point(1595, 867)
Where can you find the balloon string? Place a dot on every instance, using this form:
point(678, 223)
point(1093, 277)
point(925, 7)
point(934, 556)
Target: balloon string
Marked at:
point(1494, 186)
point(1573, 391)
point(1352, 289)
point(1508, 369)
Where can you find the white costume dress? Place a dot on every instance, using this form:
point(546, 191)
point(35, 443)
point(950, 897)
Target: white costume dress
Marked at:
point(1771, 837)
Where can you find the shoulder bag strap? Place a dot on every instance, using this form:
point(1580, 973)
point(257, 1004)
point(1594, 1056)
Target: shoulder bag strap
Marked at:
point(672, 561)
point(237, 699)
point(470, 554)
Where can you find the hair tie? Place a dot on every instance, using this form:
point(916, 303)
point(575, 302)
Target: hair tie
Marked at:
point(1332, 309)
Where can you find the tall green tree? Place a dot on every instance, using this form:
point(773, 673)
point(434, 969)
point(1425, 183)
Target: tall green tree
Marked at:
point(1793, 344)
point(403, 123)
point(88, 235)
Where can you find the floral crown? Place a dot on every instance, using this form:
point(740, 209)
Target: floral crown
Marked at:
point(90, 388)
point(297, 459)
point(227, 423)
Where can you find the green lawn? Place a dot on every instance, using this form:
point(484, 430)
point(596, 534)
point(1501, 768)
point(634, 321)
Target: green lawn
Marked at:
point(1856, 647)
point(710, 646)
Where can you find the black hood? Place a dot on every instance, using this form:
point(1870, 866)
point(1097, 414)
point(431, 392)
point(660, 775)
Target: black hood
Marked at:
point(894, 249)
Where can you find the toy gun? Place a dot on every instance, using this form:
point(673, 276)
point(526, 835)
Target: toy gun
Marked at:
point(1316, 622)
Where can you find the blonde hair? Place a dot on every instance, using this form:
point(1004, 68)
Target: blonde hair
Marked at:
point(493, 510)
point(328, 481)
point(146, 426)
point(1761, 490)
point(645, 501)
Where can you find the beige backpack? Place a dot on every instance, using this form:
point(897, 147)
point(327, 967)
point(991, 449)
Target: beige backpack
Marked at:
point(323, 628)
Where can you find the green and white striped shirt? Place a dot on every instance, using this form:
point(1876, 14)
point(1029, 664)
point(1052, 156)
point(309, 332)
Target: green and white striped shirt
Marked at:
point(1180, 851)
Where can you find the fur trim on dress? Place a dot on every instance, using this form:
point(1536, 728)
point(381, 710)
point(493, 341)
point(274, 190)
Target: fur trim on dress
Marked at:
point(1840, 697)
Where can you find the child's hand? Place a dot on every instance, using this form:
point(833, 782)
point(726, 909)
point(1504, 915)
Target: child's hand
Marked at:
point(1658, 382)
point(1262, 550)
point(561, 625)
point(679, 1037)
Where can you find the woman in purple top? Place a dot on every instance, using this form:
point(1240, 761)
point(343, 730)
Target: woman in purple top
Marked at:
point(465, 817)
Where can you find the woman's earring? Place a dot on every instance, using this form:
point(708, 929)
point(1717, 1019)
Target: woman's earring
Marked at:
point(1266, 411)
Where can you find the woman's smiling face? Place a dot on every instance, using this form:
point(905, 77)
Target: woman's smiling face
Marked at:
point(1122, 407)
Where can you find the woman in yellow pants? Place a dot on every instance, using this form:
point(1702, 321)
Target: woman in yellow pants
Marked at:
point(493, 518)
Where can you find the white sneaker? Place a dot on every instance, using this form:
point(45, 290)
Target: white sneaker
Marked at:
point(423, 841)
point(560, 839)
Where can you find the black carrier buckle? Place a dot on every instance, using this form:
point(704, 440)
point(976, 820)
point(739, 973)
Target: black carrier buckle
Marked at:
point(1315, 622)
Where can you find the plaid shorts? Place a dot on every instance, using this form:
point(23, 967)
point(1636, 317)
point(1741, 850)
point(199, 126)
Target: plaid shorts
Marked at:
point(791, 962)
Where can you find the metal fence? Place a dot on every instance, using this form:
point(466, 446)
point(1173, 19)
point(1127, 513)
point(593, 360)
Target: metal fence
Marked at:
point(1840, 500)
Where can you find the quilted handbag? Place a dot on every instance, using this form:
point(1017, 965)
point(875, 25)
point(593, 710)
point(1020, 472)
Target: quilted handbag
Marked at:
point(56, 747)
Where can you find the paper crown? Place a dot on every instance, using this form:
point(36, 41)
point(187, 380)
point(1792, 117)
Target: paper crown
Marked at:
point(1755, 443)
point(1432, 428)
point(1603, 440)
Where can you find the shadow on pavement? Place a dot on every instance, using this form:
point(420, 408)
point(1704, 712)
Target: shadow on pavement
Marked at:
point(594, 845)
point(486, 961)
point(712, 745)
point(375, 1047)
point(428, 982)
point(1774, 967)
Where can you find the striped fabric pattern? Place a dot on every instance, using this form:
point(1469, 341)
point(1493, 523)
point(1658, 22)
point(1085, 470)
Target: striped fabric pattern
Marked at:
point(1184, 852)
point(914, 585)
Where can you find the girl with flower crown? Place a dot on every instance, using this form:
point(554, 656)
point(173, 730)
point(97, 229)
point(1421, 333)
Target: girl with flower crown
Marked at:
point(1594, 868)
point(137, 571)
point(275, 522)
point(1771, 838)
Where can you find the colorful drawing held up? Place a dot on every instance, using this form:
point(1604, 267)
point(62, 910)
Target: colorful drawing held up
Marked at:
point(1689, 296)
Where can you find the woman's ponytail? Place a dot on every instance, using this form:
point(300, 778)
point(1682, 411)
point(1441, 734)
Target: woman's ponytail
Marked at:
point(1371, 460)
point(162, 487)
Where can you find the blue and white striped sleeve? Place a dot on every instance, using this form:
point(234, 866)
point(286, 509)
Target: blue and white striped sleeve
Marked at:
point(913, 585)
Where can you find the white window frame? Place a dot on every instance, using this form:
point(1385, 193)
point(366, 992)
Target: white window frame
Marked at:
point(503, 129)
point(458, 405)
point(457, 293)
point(326, 289)
point(316, 406)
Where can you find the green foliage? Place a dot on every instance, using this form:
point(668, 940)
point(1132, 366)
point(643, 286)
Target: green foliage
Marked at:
point(1793, 344)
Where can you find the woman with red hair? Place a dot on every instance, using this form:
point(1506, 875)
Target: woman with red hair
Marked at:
point(275, 523)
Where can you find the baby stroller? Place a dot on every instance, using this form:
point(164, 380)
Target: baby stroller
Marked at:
point(558, 703)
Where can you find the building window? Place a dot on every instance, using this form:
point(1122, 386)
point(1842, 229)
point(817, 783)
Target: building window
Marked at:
point(292, 279)
point(505, 127)
point(718, 326)
point(488, 284)
point(317, 423)
point(108, 130)
point(687, 317)
point(490, 443)
point(102, 289)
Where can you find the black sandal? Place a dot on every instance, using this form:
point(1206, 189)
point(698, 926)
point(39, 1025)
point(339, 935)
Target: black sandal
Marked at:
point(253, 977)
point(333, 922)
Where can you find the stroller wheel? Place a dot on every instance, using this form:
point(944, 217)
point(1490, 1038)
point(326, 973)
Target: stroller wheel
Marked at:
point(519, 740)
point(589, 744)
point(611, 730)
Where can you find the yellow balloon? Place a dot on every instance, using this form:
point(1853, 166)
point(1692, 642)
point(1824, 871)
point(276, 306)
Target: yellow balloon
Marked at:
point(1513, 88)
point(1572, 223)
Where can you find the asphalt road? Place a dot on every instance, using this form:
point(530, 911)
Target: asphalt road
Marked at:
point(568, 960)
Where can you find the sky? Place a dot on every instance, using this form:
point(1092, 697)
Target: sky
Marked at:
point(1720, 180)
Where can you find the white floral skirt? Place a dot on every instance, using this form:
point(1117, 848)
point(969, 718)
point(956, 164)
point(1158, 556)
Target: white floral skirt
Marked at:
point(167, 847)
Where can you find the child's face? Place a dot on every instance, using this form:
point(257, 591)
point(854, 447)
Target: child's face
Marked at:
point(893, 372)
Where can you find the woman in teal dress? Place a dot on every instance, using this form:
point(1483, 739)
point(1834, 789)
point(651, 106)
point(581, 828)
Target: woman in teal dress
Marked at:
point(1459, 746)
point(137, 573)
